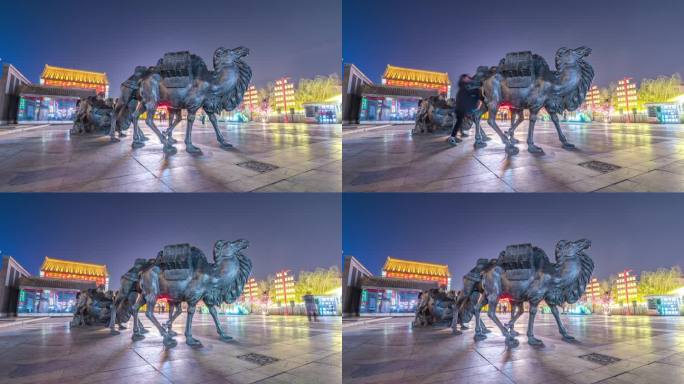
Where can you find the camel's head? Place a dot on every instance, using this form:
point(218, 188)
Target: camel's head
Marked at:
point(568, 56)
point(571, 249)
point(228, 56)
point(229, 249)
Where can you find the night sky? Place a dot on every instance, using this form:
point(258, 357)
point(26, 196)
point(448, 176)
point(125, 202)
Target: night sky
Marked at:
point(297, 38)
point(641, 39)
point(294, 231)
point(639, 231)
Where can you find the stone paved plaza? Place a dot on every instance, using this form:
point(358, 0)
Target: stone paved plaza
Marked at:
point(48, 352)
point(305, 158)
point(649, 158)
point(650, 349)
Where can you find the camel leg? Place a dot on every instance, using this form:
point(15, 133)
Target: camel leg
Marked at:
point(137, 325)
point(531, 148)
point(531, 340)
point(151, 108)
point(561, 136)
point(172, 124)
point(112, 319)
point(188, 134)
point(174, 312)
point(455, 321)
point(112, 127)
point(479, 324)
point(511, 149)
point(137, 132)
point(480, 137)
point(151, 301)
point(214, 315)
point(493, 301)
point(514, 124)
point(515, 315)
point(561, 327)
point(219, 136)
point(189, 340)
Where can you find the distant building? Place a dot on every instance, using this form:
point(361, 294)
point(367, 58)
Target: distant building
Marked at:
point(10, 273)
point(626, 92)
point(417, 78)
point(385, 296)
point(75, 271)
point(417, 270)
point(284, 287)
point(10, 82)
point(626, 287)
point(353, 272)
point(284, 96)
point(75, 78)
point(251, 291)
point(593, 291)
point(251, 99)
point(593, 100)
point(353, 82)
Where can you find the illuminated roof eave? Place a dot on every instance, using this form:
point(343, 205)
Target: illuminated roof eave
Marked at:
point(417, 75)
point(416, 267)
point(73, 267)
point(75, 75)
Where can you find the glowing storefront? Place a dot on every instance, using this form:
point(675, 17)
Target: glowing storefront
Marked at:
point(49, 104)
point(417, 78)
point(40, 296)
point(75, 271)
point(382, 296)
point(417, 270)
point(75, 78)
point(385, 103)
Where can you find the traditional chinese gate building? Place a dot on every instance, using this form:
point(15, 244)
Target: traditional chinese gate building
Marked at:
point(417, 270)
point(75, 78)
point(417, 78)
point(74, 270)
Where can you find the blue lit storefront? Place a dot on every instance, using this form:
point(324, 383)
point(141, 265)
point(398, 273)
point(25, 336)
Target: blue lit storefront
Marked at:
point(382, 103)
point(49, 104)
point(41, 296)
point(383, 296)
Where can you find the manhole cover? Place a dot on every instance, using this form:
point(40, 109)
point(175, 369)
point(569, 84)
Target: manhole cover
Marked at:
point(600, 166)
point(258, 166)
point(257, 358)
point(600, 359)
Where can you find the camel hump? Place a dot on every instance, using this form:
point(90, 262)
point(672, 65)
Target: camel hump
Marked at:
point(178, 69)
point(179, 256)
point(522, 256)
point(518, 68)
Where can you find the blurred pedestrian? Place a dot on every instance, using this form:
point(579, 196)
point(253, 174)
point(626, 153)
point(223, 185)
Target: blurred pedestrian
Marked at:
point(310, 304)
point(467, 101)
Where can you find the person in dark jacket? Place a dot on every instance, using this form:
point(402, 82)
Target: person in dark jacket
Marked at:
point(467, 101)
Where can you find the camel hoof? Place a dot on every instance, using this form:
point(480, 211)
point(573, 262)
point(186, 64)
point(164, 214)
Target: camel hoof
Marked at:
point(514, 140)
point(114, 139)
point(170, 149)
point(138, 144)
point(114, 332)
point(512, 149)
point(512, 342)
point(531, 340)
point(172, 333)
point(192, 149)
point(144, 330)
point(452, 141)
point(464, 326)
point(137, 336)
point(191, 341)
point(486, 330)
point(122, 326)
point(486, 138)
point(479, 144)
point(514, 333)
point(170, 342)
point(144, 138)
point(531, 148)
point(225, 338)
point(225, 144)
point(479, 337)
point(567, 145)
point(456, 332)
point(171, 140)
point(568, 338)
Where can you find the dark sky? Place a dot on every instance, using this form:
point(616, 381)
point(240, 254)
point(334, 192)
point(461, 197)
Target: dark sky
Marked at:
point(636, 38)
point(294, 231)
point(640, 231)
point(298, 38)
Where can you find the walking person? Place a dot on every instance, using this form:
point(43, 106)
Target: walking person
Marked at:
point(310, 304)
point(467, 101)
